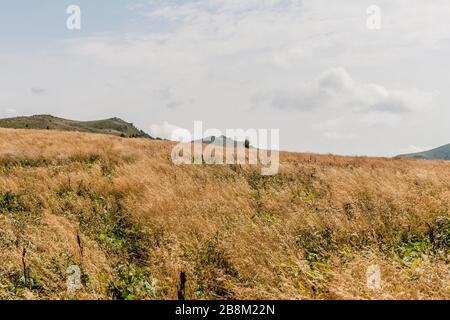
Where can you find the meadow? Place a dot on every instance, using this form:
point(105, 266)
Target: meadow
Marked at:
point(140, 227)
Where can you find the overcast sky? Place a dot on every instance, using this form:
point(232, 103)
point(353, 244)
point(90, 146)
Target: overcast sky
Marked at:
point(311, 68)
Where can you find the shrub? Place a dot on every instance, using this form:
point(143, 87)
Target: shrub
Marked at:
point(247, 144)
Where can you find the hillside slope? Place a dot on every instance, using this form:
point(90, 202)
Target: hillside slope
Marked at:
point(114, 126)
point(221, 141)
point(133, 222)
point(441, 153)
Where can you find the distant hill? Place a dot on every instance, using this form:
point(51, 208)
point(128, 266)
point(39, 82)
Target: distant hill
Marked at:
point(113, 126)
point(441, 153)
point(221, 141)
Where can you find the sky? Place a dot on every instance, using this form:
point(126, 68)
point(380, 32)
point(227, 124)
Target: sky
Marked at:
point(311, 68)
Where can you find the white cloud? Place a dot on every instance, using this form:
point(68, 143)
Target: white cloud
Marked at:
point(9, 113)
point(170, 132)
point(336, 89)
point(413, 149)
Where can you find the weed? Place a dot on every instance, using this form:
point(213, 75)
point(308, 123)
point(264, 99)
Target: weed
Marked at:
point(413, 246)
point(435, 242)
point(132, 283)
point(108, 223)
point(18, 207)
point(31, 281)
point(10, 202)
point(441, 232)
point(309, 193)
point(317, 245)
point(214, 271)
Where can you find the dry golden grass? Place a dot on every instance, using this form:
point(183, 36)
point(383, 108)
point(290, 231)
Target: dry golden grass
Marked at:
point(310, 232)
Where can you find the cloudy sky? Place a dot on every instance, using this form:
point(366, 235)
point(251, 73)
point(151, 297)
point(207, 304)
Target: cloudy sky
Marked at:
point(311, 68)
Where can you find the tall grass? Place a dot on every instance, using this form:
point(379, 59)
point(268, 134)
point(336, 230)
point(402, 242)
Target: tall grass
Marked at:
point(134, 222)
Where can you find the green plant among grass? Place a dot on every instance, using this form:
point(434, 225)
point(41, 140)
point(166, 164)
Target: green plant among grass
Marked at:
point(441, 232)
point(214, 272)
point(435, 242)
point(91, 160)
point(132, 283)
point(17, 207)
point(30, 281)
point(10, 202)
point(309, 193)
point(413, 247)
point(257, 181)
point(317, 245)
point(119, 235)
point(103, 218)
point(107, 223)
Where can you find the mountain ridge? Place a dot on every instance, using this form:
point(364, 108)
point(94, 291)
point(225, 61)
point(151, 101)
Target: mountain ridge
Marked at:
point(439, 153)
point(112, 126)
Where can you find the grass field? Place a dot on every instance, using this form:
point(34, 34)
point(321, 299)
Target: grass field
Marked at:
point(134, 222)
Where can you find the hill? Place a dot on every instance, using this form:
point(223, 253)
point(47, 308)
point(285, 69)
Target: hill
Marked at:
point(222, 141)
point(441, 153)
point(133, 222)
point(114, 126)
